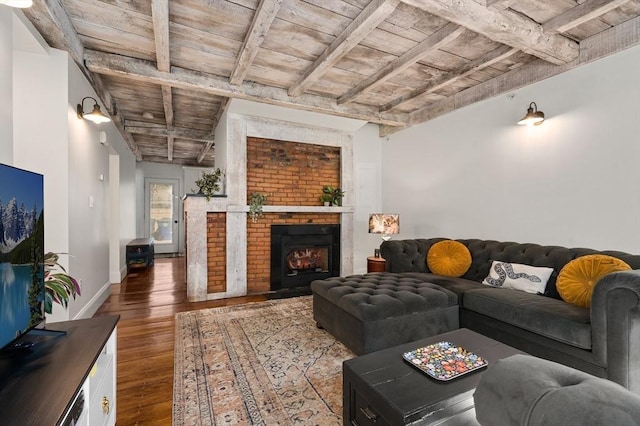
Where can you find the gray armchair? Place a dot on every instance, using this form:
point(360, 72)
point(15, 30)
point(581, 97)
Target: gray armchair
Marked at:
point(525, 390)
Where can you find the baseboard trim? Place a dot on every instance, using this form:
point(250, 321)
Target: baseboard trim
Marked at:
point(94, 304)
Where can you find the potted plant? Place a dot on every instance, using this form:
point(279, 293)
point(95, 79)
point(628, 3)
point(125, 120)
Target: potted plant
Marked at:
point(59, 285)
point(209, 183)
point(331, 195)
point(256, 201)
point(326, 199)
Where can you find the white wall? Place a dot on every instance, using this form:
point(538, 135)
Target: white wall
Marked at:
point(573, 181)
point(66, 151)
point(6, 86)
point(368, 195)
point(89, 196)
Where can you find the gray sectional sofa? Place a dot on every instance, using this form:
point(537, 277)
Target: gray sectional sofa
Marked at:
point(603, 340)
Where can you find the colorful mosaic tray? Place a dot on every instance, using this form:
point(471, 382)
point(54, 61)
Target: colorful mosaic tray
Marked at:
point(444, 360)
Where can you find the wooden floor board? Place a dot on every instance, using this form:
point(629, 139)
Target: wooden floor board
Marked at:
point(147, 301)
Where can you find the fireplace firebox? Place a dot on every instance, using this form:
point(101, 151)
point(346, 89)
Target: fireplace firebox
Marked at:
point(303, 253)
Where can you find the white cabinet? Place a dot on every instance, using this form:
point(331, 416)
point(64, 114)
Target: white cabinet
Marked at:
point(99, 389)
point(67, 378)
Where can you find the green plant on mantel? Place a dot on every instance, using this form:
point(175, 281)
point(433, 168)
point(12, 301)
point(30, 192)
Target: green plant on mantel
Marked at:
point(59, 286)
point(332, 195)
point(256, 201)
point(209, 183)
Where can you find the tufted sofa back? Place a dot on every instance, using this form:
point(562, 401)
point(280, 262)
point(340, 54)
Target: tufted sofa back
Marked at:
point(411, 256)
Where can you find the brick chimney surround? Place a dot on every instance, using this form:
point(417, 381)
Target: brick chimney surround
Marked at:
point(227, 254)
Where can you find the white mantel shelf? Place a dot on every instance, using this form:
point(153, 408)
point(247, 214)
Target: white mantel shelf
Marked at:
point(294, 209)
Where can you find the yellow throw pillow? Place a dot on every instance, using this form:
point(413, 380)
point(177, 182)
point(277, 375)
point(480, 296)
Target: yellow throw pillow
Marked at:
point(577, 278)
point(449, 258)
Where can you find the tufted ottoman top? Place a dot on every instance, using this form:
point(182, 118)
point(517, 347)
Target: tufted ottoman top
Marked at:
point(382, 295)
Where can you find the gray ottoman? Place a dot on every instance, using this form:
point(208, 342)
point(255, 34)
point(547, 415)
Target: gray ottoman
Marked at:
point(380, 310)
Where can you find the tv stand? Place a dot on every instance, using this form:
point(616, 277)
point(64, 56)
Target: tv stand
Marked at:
point(62, 380)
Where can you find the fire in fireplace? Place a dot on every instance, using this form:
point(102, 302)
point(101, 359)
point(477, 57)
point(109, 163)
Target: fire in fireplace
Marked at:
point(303, 253)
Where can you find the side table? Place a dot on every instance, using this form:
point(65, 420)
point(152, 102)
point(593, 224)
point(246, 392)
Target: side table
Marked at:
point(140, 252)
point(376, 264)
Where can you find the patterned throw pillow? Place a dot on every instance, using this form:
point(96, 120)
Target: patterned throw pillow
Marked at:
point(532, 279)
point(449, 258)
point(577, 278)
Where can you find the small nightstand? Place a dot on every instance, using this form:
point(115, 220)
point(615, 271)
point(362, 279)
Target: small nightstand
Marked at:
point(375, 264)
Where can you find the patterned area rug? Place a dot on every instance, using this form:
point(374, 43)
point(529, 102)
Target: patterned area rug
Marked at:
point(259, 363)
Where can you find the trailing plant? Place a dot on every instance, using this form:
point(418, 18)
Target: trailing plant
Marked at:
point(209, 183)
point(332, 195)
point(256, 201)
point(59, 286)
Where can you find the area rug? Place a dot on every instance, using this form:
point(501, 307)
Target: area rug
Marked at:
point(260, 363)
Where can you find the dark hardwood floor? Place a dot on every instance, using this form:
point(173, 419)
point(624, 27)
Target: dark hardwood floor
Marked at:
point(147, 301)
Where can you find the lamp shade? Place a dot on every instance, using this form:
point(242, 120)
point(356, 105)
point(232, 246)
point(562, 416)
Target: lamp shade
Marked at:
point(384, 223)
point(21, 4)
point(97, 116)
point(533, 116)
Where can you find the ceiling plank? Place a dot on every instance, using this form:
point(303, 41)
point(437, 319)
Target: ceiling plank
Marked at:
point(141, 70)
point(180, 133)
point(580, 14)
point(435, 41)
point(468, 68)
point(262, 20)
point(54, 24)
point(609, 42)
point(505, 27)
point(500, 4)
point(370, 17)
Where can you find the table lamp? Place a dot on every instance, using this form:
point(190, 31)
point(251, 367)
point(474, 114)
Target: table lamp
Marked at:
point(385, 224)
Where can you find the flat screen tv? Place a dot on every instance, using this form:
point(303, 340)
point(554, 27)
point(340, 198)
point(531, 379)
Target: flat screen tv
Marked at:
point(21, 253)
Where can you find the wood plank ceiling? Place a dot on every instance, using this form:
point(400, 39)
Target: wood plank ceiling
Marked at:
point(166, 70)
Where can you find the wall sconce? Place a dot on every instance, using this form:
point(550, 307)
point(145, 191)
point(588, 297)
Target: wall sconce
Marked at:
point(96, 115)
point(385, 224)
point(20, 4)
point(533, 116)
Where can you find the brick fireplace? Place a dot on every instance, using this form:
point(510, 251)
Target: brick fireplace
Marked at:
point(233, 257)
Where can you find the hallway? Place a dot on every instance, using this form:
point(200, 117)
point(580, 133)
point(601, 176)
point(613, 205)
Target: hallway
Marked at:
point(147, 301)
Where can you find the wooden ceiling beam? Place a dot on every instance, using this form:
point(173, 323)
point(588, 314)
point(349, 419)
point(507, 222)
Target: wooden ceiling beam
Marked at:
point(580, 14)
point(160, 17)
point(370, 17)
point(505, 27)
point(170, 140)
point(141, 70)
point(468, 68)
point(435, 41)
point(265, 14)
point(205, 149)
point(178, 133)
point(601, 45)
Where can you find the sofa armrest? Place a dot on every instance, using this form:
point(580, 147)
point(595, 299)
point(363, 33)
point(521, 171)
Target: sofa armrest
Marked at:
point(525, 390)
point(615, 327)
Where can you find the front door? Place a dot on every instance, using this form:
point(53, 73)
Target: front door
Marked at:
point(162, 216)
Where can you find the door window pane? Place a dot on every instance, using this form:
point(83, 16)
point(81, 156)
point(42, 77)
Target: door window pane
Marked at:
point(161, 214)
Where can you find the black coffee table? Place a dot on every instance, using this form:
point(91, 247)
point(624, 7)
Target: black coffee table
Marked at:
point(381, 388)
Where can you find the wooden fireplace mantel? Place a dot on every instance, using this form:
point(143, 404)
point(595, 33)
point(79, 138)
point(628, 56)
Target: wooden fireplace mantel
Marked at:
point(196, 209)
